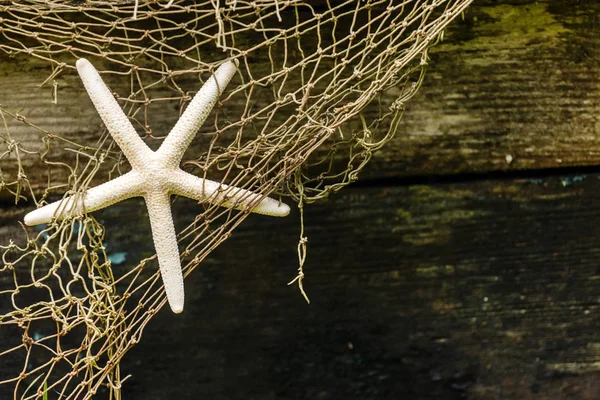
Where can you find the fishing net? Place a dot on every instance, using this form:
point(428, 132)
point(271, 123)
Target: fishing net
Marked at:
point(320, 87)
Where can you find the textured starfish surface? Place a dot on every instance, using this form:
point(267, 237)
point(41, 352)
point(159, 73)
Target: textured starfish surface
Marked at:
point(155, 175)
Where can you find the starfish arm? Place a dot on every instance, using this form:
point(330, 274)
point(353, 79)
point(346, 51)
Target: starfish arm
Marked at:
point(204, 190)
point(108, 193)
point(195, 114)
point(114, 118)
point(165, 243)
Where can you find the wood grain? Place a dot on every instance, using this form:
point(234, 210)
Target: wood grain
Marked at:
point(514, 86)
point(517, 79)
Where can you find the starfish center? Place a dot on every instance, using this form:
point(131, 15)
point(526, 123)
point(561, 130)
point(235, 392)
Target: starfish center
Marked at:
point(155, 173)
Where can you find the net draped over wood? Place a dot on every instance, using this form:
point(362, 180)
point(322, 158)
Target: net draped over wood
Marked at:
point(320, 87)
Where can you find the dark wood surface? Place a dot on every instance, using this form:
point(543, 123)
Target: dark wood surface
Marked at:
point(481, 290)
point(473, 290)
point(484, 285)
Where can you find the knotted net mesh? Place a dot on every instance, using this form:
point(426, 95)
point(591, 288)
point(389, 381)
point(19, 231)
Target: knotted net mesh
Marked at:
point(320, 87)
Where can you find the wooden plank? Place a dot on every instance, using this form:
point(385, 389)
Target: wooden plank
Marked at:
point(515, 81)
point(478, 289)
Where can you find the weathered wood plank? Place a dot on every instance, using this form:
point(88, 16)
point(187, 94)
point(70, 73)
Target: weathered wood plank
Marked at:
point(486, 289)
point(517, 80)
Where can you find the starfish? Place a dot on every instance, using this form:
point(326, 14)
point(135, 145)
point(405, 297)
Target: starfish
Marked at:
point(156, 175)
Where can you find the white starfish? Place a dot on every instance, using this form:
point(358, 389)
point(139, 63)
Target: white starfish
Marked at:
point(156, 175)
